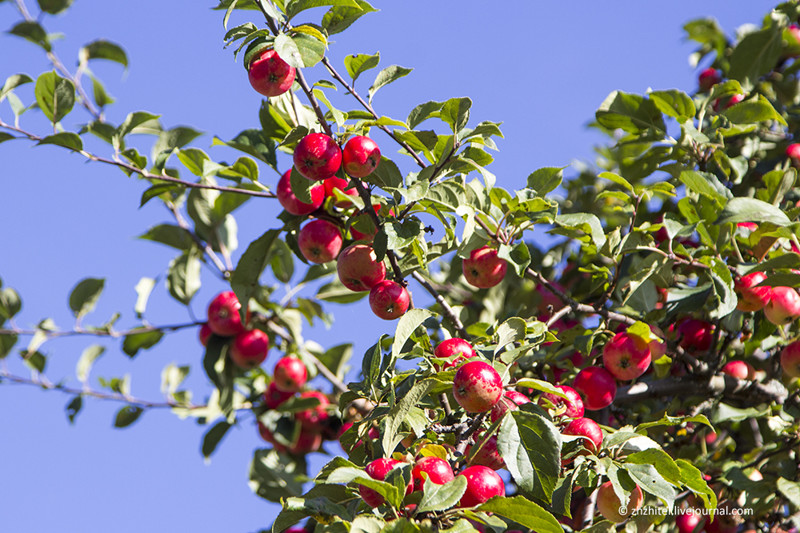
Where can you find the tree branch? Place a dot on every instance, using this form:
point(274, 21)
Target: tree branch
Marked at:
point(97, 332)
point(448, 311)
point(716, 385)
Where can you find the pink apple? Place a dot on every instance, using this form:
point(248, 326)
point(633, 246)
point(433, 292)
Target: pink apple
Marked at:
point(488, 455)
point(360, 156)
point(273, 396)
point(269, 74)
point(739, 370)
point(453, 351)
point(695, 335)
point(783, 306)
point(435, 469)
point(589, 429)
point(609, 505)
point(319, 241)
point(289, 201)
point(477, 386)
point(377, 469)
point(290, 374)
point(483, 268)
point(793, 152)
point(597, 386)
point(314, 416)
point(249, 348)
point(223, 315)
point(510, 401)
point(483, 483)
point(751, 296)
point(626, 356)
point(790, 359)
point(572, 404)
point(708, 78)
point(317, 156)
point(389, 300)
point(687, 521)
point(358, 267)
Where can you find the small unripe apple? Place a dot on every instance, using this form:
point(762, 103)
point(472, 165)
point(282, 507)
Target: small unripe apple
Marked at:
point(708, 78)
point(483, 268)
point(319, 241)
point(483, 483)
point(290, 374)
point(488, 455)
point(389, 300)
point(573, 405)
point(695, 335)
point(453, 351)
point(783, 306)
point(314, 416)
point(510, 401)
point(790, 359)
point(205, 333)
point(437, 470)
point(752, 297)
point(223, 315)
point(291, 203)
point(269, 74)
point(358, 267)
point(626, 356)
point(597, 386)
point(589, 429)
point(249, 348)
point(317, 156)
point(611, 508)
point(739, 370)
point(273, 396)
point(360, 156)
point(477, 386)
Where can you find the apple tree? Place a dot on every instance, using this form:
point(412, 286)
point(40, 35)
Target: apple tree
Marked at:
point(646, 353)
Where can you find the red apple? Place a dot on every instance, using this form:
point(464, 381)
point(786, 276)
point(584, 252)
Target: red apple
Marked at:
point(626, 356)
point(695, 335)
point(752, 297)
point(319, 241)
point(783, 306)
point(453, 351)
point(365, 222)
point(435, 469)
point(273, 396)
point(289, 201)
point(708, 78)
point(223, 315)
point(510, 401)
point(377, 469)
point(687, 521)
point(268, 436)
point(477, 386)
point(290, 374)
point(360, 156)
point(307, 441)
point(488, 455)
point(597, 386)
point(342, 185)
point(205, 333)
point(483, 483)
point(249, 348)
point(389, 300)
point(739, 370)
point(589, 429)
point(793, 153)
point(358, 267)
point(573, 405)
point(610, 507)
point(317, 156)
point(269, 74)
point(314, 416)
point(483, 268)
point(726, 102)
point(790, 359)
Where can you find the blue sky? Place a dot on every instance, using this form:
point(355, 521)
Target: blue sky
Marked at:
point(541, 68)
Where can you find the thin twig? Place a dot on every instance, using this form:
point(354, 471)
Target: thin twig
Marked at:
point(97, 332)
point(448, 311)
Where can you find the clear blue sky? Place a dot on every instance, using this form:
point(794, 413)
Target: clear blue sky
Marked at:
point(541, 68)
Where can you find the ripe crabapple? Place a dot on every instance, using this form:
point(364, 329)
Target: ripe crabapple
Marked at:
point(477, 386)
point(626, 356)
point(695, 335)
point(314, 416)
point(453, 351)
point(573, 405)
point(488, 454)
point(687, 521)
point(358, 267)
point(223, 315)
point(341, 184)
point(269, 74)
point(364, 222)
point(205, 333)
point(291, 203)
point(317, 156)
point(739, 370)
point(378, 469)
point(268, 436)
point(290, 374)
point(483, 268)
point(783, 306)
point(609, 504)
point(483, 483)
point(249, 348)
point(751, 296)
point(389, 300)
point(274, 396)
point(360, 156)
point(308, 440)
point(510, 401)
point(435, 469)
point(793, 153)
point(319, 241)
point(708, 78)
point(790, 359)
point(589, 429)
point(597, 386)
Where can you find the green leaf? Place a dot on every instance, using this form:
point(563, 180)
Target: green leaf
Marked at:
point(136, 341)
point(183, 277)
point(356, 64)
point(406, 326)
point(84, 296)
point(274, 476)
point(619, 180)
point(10, 303)
point(134, 120)
point(423, 112)
point(254, 260)
point(455, 112)
point(348, 474)
point(213, 437)
point(12, 82)
point(293, 7)
point(752, 210)
point(398, 414)
point(631, 113)
point(790, 490)
point(386, 175)
point(288, 50)
point(53, 6)
point(101, 97)
point(387, 76)
point(588, 223)
point(170, 235)
point(546, 179)
point(87, 359)
point(102, 49)
point(73, 408)
point(706, 184)
point(127, 416)
point(441, 497)
point(65, 139)
point(33, 32)
point(756, 54)
point(524, 512)
point(519, 256)
point(5, 137)
point(55, 95)
point(531, 447)
point(650, 480)
point(674, 103)
point(692, 478)
point(309, 46)
point(339, 18)
point(753, 110)
point(662, 462)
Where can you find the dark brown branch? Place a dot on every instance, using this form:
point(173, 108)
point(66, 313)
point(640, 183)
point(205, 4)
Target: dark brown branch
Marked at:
point(717, 385)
